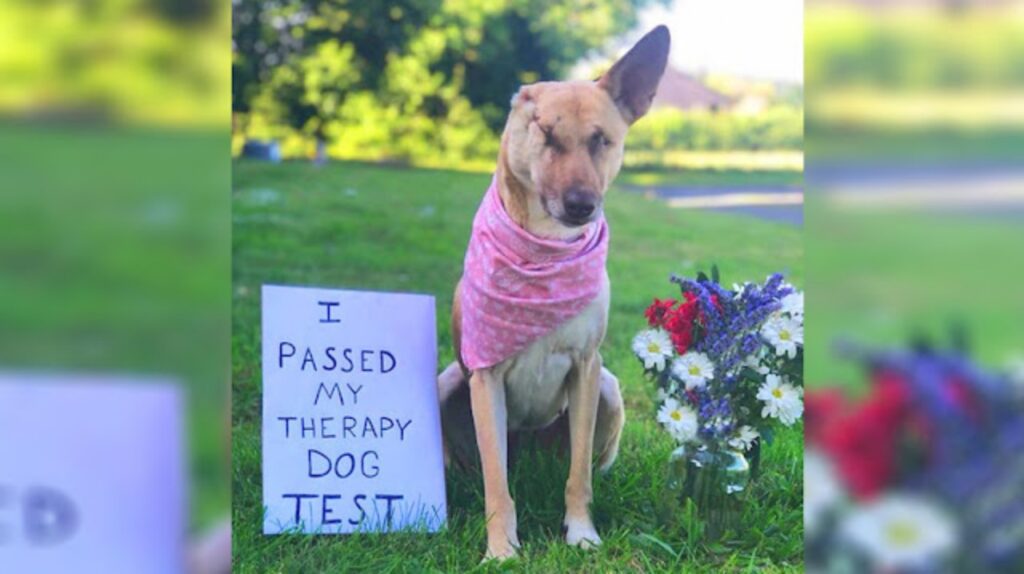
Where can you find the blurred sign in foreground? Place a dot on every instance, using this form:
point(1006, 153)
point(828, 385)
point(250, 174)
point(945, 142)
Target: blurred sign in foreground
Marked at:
point(351, 422)
point(91, 475)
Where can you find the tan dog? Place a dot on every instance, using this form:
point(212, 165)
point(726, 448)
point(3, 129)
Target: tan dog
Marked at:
point(562, 146)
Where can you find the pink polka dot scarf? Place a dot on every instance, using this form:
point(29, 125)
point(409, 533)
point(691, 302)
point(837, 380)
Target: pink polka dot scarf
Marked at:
point(517, 287)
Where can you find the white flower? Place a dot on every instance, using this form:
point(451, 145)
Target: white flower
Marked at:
point(793, 304)
point(738, 288)
point(754, 362)
point(664, 395)
point(1015, 367)
point(822, 489)
point(784, 334)
point(900, 532)
point(679, 420)
point(717, 423)
point(693, 369)
point(653, 347)
point(744, 439)
point(781, 400)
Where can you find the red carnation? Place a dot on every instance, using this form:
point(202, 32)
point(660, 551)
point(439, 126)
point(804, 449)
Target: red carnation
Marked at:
point(657, 311)
point(679, 324)
point(822, 407)
point(863, 442)
point(681, 341)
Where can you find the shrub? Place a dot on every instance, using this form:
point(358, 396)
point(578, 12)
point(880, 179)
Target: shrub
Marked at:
point(778, 127)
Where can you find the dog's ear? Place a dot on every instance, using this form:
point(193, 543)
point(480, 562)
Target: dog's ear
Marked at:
point(633, 80)
point(523, 97)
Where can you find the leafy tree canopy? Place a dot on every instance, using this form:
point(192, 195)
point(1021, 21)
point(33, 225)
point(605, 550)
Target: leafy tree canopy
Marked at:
point(406, 78)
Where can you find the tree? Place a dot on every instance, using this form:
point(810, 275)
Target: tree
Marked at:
point(435, 76)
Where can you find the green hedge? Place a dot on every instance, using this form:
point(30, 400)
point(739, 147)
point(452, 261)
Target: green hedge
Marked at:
point(779, 127)
point(377, 133)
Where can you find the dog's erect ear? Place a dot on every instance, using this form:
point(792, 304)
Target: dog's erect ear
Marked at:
point(523, 97)
point(633, 80)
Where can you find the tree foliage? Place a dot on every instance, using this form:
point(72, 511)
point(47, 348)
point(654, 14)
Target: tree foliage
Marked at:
point(780, 127)
point(423, 79)
point(917, 50)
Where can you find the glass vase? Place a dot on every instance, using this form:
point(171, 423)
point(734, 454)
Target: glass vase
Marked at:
point(716, 482)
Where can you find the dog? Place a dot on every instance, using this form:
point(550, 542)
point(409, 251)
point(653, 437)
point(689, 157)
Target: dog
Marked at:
point(531, 309)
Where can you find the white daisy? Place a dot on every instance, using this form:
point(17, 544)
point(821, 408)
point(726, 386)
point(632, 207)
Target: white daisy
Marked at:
point(663, 394)
point(713, 425)
point(793, 304)
point(693, 369)
point(900, 532)
point(781, 400)
point(737, 289)
point(783, 333)
point(744, 439)
point(653, 347)
point(822, 489)
point(1015, 368)
point(680, 420)
point(754, 362)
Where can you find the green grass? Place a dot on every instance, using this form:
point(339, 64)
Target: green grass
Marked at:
point(880, 277)
point(115, 250)
point(927, 146)
point(359, 226)
point(711, 177)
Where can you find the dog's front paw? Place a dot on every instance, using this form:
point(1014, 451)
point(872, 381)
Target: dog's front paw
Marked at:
point(581, 533)
point(500, 552)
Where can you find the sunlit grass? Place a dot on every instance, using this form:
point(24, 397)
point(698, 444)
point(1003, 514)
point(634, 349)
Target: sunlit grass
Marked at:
point(881, 278)
point(769, 160)
point(359, 226)
point(115, 249)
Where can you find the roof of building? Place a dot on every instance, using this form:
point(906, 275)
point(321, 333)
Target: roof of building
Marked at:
point(684, 91)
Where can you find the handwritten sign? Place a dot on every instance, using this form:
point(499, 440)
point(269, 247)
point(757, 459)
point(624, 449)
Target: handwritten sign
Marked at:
point(351, 424)
point(91, 475)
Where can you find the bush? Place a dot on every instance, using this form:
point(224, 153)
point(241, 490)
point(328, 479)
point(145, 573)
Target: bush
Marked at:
point(364, 129)
point(779, 127)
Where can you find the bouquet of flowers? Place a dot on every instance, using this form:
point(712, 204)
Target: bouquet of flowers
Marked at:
point(728, 364)
point(923, 474)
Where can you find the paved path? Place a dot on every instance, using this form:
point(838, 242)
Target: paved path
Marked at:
point(976, 187)
point(773, 203)
point(990, 189)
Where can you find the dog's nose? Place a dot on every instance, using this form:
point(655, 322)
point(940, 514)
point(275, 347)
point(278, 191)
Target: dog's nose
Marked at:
point(579, 203)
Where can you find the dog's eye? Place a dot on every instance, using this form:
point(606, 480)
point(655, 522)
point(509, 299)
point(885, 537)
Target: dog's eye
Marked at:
point(549, 138)
point(598, 141)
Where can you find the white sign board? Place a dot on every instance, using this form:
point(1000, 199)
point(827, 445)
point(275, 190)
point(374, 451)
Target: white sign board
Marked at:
point(91, 475)
point(351, 423)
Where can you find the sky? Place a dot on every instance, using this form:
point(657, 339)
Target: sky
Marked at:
point(759, 39)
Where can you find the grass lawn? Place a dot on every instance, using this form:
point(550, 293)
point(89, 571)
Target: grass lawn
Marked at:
point(926, 146)
point(115, 260)
point(879, 277)
point(712, 177)
point(358, 226)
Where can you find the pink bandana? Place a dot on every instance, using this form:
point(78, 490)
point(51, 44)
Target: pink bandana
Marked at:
point(517, 287)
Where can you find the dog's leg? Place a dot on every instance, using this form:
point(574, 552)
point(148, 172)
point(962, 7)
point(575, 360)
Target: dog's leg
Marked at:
point(447, 383)
point(487, 396)
point(460, 448)
point(584, 393)
point(611, 416)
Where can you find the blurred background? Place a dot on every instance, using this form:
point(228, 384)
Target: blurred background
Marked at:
point(427, 83)
point(114, 238)
point(915, 205)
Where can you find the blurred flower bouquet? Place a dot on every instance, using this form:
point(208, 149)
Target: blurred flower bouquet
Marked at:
point(924, 474)
point(729, 367)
